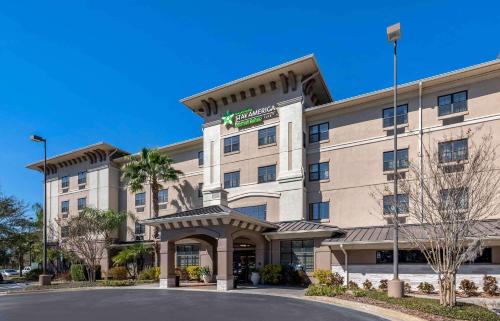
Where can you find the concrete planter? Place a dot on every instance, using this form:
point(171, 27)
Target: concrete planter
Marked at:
point(206, 278)
point(255, 278)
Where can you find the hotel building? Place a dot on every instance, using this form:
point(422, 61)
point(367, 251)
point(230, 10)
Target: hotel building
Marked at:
point(284, 174)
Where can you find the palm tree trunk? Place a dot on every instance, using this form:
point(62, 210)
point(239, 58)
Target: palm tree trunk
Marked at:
point(156, 209)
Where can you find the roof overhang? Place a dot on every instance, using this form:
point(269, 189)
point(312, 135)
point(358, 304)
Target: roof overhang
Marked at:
point(223, 216)
point(305, 66)
point(93, 153)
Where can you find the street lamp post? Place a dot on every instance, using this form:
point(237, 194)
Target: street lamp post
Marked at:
point(44, 278)
point(395, 286)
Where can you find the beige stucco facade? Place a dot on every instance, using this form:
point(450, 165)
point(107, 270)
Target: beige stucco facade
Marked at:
point(353, 150)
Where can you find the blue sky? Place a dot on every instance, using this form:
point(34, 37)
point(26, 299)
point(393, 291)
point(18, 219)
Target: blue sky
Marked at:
point(79, 72)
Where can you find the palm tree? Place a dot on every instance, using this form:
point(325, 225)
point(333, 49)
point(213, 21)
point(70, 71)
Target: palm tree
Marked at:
point(131, 254)
point(149, 167)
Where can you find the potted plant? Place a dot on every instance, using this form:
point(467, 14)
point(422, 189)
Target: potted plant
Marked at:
point(255, 277)
point(205, 274)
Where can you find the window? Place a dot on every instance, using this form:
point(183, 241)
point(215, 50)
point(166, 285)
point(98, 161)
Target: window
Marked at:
point(452, 103)
point(82, 203)
point(318, 171)
point(267, 174)
point(65, 182)
point(231, 144)
point(200, 189)
point(163, 196)
point(404, 256)
point(453, 151)
point(415, 256)
point(267, 136)
point(319, 211)
point(454, 199)
point(65, 207)
point(403, 204)
point(200, 158)
point(258, 211)
point(299, 254)
point(140, 229)
point(402, 159)
point(318, 132)
point(82, 178)
point(401, 115)
point(64, 231)
point(140, 199)
point(232, 179)
point(188, 255)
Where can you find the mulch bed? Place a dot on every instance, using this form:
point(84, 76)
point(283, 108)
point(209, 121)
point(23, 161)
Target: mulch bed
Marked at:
point(386, 305)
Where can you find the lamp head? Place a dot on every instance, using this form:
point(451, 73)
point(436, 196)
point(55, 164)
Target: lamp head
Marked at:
point(394, 32)
point(37, 138)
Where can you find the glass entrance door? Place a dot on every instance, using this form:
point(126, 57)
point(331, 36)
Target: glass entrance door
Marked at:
point(243, 264)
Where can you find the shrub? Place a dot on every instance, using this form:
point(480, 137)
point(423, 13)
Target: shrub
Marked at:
point(271, 273)
point(204, 270)
point(324, 277)
point(291, 276)
point(367, 285)
point(324, 290)
point(182, 273)
point(193, 272)
point(426, 287)
point(33, 275)
point(117, 283)
point(352, 285)
point(468, 287)
point(118, 273)
point(359, 293)
point(152, 273)
point(337, 279)
point(383, 285)
point(407, 287)
point(490, 285)
point(77, 272)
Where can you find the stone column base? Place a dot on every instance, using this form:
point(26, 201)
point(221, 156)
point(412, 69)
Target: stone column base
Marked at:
point(44, 279)
point(168, 282)
point(225, 285)
point(395, 288)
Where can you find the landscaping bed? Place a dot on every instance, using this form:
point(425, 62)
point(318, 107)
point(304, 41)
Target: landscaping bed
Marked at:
point(425, 308)
point(81, 284)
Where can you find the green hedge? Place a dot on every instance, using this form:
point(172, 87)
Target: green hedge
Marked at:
point(33, 275)
point(77, 272)
point(324, 290)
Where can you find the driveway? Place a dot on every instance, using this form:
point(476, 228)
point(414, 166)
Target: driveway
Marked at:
point(147, 304)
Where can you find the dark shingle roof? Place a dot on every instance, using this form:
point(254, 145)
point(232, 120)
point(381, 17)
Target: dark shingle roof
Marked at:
point(374, 234)
point(213, 209)
point(295, 226)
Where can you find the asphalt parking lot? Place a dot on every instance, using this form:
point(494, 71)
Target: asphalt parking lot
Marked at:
point(148, 304)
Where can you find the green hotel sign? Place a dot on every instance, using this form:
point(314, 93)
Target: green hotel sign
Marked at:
point(249, 116)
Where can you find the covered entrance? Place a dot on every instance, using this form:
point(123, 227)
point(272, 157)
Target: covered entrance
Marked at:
point(236, 239)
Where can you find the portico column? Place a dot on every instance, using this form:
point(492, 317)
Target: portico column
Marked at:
point(167, 264)
point(225, 280)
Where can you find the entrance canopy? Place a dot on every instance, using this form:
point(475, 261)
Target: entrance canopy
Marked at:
point(214, 215)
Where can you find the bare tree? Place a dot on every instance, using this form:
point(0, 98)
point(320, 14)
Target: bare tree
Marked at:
point(457, 187)
point(89, 234)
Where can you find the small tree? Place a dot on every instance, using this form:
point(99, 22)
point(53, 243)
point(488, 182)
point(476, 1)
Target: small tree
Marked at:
point(88, 235)
point(454, 190)
point(149, 167)
point(131, 254)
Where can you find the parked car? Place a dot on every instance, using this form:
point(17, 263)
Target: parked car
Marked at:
point(26, 269)
point(9, 273)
